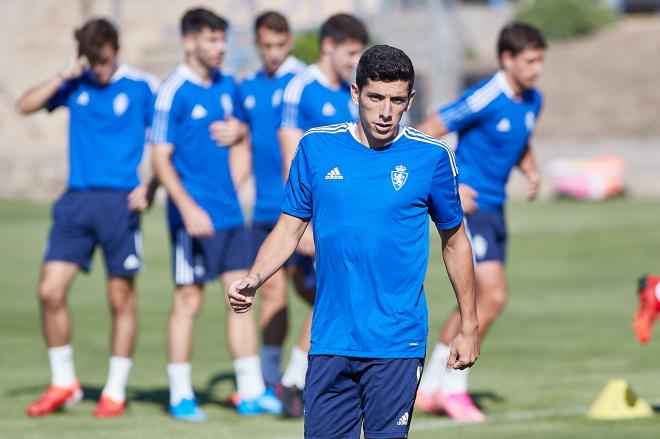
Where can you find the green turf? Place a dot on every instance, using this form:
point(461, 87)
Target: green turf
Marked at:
point(566, 331)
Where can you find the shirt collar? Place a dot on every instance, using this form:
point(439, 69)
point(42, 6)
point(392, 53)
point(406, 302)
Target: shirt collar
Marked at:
point(504, 85)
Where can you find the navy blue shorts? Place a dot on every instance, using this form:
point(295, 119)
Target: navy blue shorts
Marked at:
point(488, 235)
point(259, 231)
point(83, 219)
point(343, 393)
point(198, 260)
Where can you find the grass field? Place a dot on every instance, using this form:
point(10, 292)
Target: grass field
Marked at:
point(566, 331)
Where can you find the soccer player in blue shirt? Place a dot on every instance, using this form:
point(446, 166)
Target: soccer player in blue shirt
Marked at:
point(195, 126)
point(494, 121)
point(110, 107)
point(369, 189)
point(261, 99)
point(318, 96)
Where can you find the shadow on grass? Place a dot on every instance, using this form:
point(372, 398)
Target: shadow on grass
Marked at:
point(159, 396)
point(480, 398)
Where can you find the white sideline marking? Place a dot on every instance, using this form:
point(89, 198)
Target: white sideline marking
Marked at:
point(439, 424)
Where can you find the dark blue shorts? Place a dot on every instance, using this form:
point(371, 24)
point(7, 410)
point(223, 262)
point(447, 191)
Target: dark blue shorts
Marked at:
point(83, 219)
point(345, 394)
point(197, 260)
point(259, 231)
point(488, 235)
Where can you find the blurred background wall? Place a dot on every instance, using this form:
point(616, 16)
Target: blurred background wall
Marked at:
point(601, 85)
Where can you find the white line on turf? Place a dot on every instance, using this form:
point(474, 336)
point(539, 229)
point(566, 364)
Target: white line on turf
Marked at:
point(530, 415)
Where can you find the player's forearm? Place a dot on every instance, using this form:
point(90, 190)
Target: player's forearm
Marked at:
point(289, 138)
point(278, 247)
point(527, 163)
point(457, 254)
point(240, 162)
point(38, 96)
point(169, 178)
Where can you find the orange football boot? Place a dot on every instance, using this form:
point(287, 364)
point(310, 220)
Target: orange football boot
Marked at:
point(649, 307)
point(54, 398)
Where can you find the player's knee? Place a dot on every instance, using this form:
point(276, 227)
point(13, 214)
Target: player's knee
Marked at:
point(51, 295)
point(498, 300)
point(187, 303)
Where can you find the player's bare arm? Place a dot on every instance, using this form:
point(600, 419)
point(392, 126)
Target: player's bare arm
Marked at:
point(195, 219)
point(276, 249)
point(433, 126)
point(240, 161)
point(527, 166)
point(457, 254)
point(36, 97)
point(289, 138)
point(468, 198)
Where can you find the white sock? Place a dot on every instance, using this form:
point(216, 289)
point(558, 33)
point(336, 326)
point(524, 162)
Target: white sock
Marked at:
point(180, 382)
point(455, 381)
point(434, 369)
point(115, 387)
point(249, 380)
point(62, 373)
point(296, 369)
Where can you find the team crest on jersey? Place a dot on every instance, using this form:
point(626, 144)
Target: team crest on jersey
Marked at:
point(276, 100)
point(120, 104)
point(399, 177)
point(227, 104)
point(250, 102)
point(328, 109)
point(530, 120)
point(83, 98)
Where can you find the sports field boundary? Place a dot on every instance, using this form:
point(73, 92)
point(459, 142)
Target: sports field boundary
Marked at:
point(510, 417)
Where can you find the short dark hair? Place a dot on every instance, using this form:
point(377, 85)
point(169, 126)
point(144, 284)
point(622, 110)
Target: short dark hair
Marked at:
point(194, 20)
point(272, 20)
point(343, 27)
point(516, 37)
point(385, 63)
point(93, 35)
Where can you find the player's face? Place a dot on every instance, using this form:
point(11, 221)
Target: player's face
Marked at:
point(526, 67)
point(105, 65)
point(382, 104)
point(207, 47)
point(273, 47)
point(345, 57)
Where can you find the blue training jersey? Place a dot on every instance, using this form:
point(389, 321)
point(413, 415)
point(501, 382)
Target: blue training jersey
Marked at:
point(370, 214)
point(185, 109)
point(494, 129)
point(107, 127)
point(310, 101)
point(261, 98)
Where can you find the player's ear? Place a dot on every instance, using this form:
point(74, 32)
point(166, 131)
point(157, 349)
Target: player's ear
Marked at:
point(507, 60)
point(355, 94)
point(188, 43)
point(410, 100)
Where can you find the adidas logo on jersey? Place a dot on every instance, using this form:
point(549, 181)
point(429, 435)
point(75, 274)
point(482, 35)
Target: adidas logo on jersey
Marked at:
point(83, 98)
point(503, 125)
point(328, 110)
point(403, 420)
point(131, 262)
point(198, 112)
point(334, 174)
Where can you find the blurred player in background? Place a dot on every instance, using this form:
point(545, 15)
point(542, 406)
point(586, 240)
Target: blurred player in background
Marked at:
point(110, 106)
point(195, 127)
point(318, 96)
point(368, 189)
point(494, 121)
point(649, 307)
point(261, 99)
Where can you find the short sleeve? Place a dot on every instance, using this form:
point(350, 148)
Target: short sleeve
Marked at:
point(61, 96)
point(149, 104)
point(444, 201)
point(166, 117)
point(463, 112)
point(297, 193)
point(292, 114)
